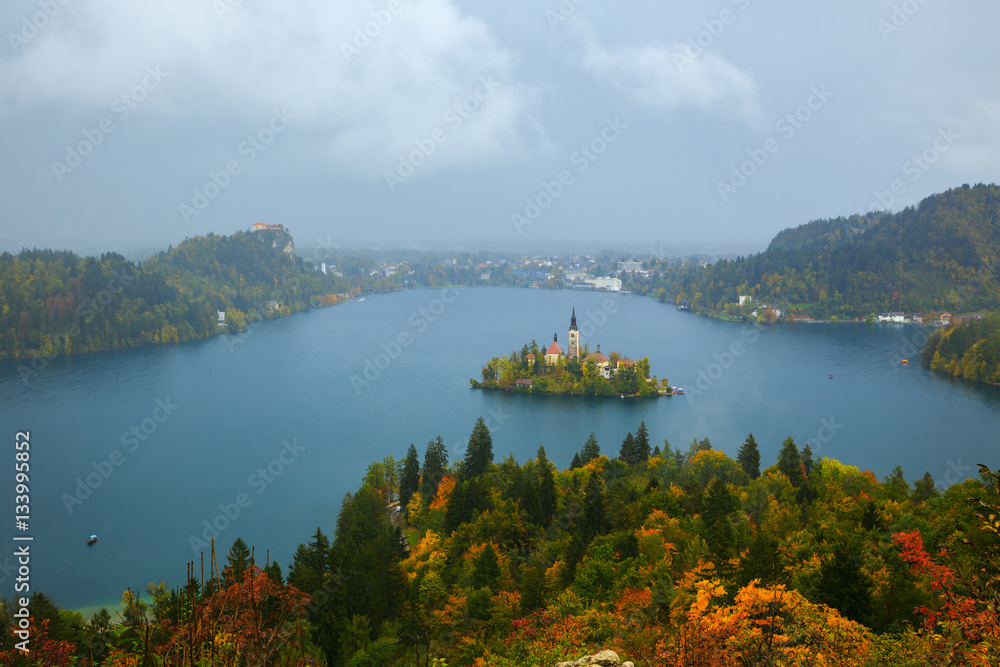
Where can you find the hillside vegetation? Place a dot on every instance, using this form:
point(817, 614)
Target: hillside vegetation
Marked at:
point(666, 556)
point(943, 254)
point(969, 350)
point(55, 302)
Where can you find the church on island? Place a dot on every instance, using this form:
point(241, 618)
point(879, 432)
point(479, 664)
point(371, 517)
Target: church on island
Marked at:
point(555, 351)
point(574, 370)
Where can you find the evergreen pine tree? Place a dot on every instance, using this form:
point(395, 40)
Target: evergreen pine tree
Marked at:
point(762, 560)
point(719, 503)
point(790, 462)
point(301, 573)
point(576, 462)
point(547, 495)
point(237, 563)
point(479, 454)
point(924, 489)
point(409, 480)
point(457, 510)
point(594, 511)
point(591, 450)
point(807, 459)
point(679, 458)
point(627, 452)
point(366, 551)
point(749, 457)
point(641, 443)
point(844, 585)
point(435, 465)
point(274, 573)
point(319, 550)
point(656, 451)
point(486, 569)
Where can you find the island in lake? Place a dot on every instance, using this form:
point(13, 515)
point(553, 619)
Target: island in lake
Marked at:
point(576, 371)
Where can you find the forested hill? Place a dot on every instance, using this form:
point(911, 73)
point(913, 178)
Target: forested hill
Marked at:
point(969, 350)
point(55, 302)
point(943, 254)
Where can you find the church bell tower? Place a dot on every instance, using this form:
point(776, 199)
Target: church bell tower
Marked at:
point(574, 338)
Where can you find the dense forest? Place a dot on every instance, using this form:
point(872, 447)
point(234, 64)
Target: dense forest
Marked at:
point(54, 302)
point(942, 255)
point(669, 556)
point(569, 376)
point(970, 349)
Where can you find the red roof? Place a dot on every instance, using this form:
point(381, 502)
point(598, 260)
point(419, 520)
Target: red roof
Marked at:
point(625, 362)
point(596, 357)
point(554, 349)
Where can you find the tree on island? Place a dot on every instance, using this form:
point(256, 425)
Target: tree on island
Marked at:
point(749, 457)
point(479, 454)
point(591, 450)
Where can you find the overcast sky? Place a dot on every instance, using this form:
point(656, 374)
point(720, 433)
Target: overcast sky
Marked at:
point(650, 125)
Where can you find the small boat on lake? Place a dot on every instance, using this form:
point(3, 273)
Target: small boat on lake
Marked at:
point(91, 539)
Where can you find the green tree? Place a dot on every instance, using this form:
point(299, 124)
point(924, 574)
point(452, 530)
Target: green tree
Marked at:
point(301, 573)
point(319, 550)
point(594, 506)
point(366, 552)
point(790, 462)
point(458, 509)
point(486, 569)
point(719, 503)
point(479, 454)
point(844, 585)
point(274, 573)
point(591, 450)
point(547, 494)
point(435, 465)
point(409, 480)
point(924, 489)
point(237, 563)
point(575, 463)
point(749, 457)
point(894, 485)
point(807, 459)
point(642, 443)
point(627, 454)
point(762, 560)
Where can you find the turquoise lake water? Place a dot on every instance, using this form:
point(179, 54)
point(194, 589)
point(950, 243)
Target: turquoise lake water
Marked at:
point(271, 424)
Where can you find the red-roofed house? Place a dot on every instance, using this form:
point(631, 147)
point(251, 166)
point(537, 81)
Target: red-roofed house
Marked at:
point(602, 363)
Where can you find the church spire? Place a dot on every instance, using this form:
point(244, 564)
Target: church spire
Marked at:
point(572, 320)
point(555, 338)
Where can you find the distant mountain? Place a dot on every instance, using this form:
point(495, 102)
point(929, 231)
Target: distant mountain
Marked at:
point(943, 254)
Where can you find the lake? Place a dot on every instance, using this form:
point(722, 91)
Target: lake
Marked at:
point(263, 434)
